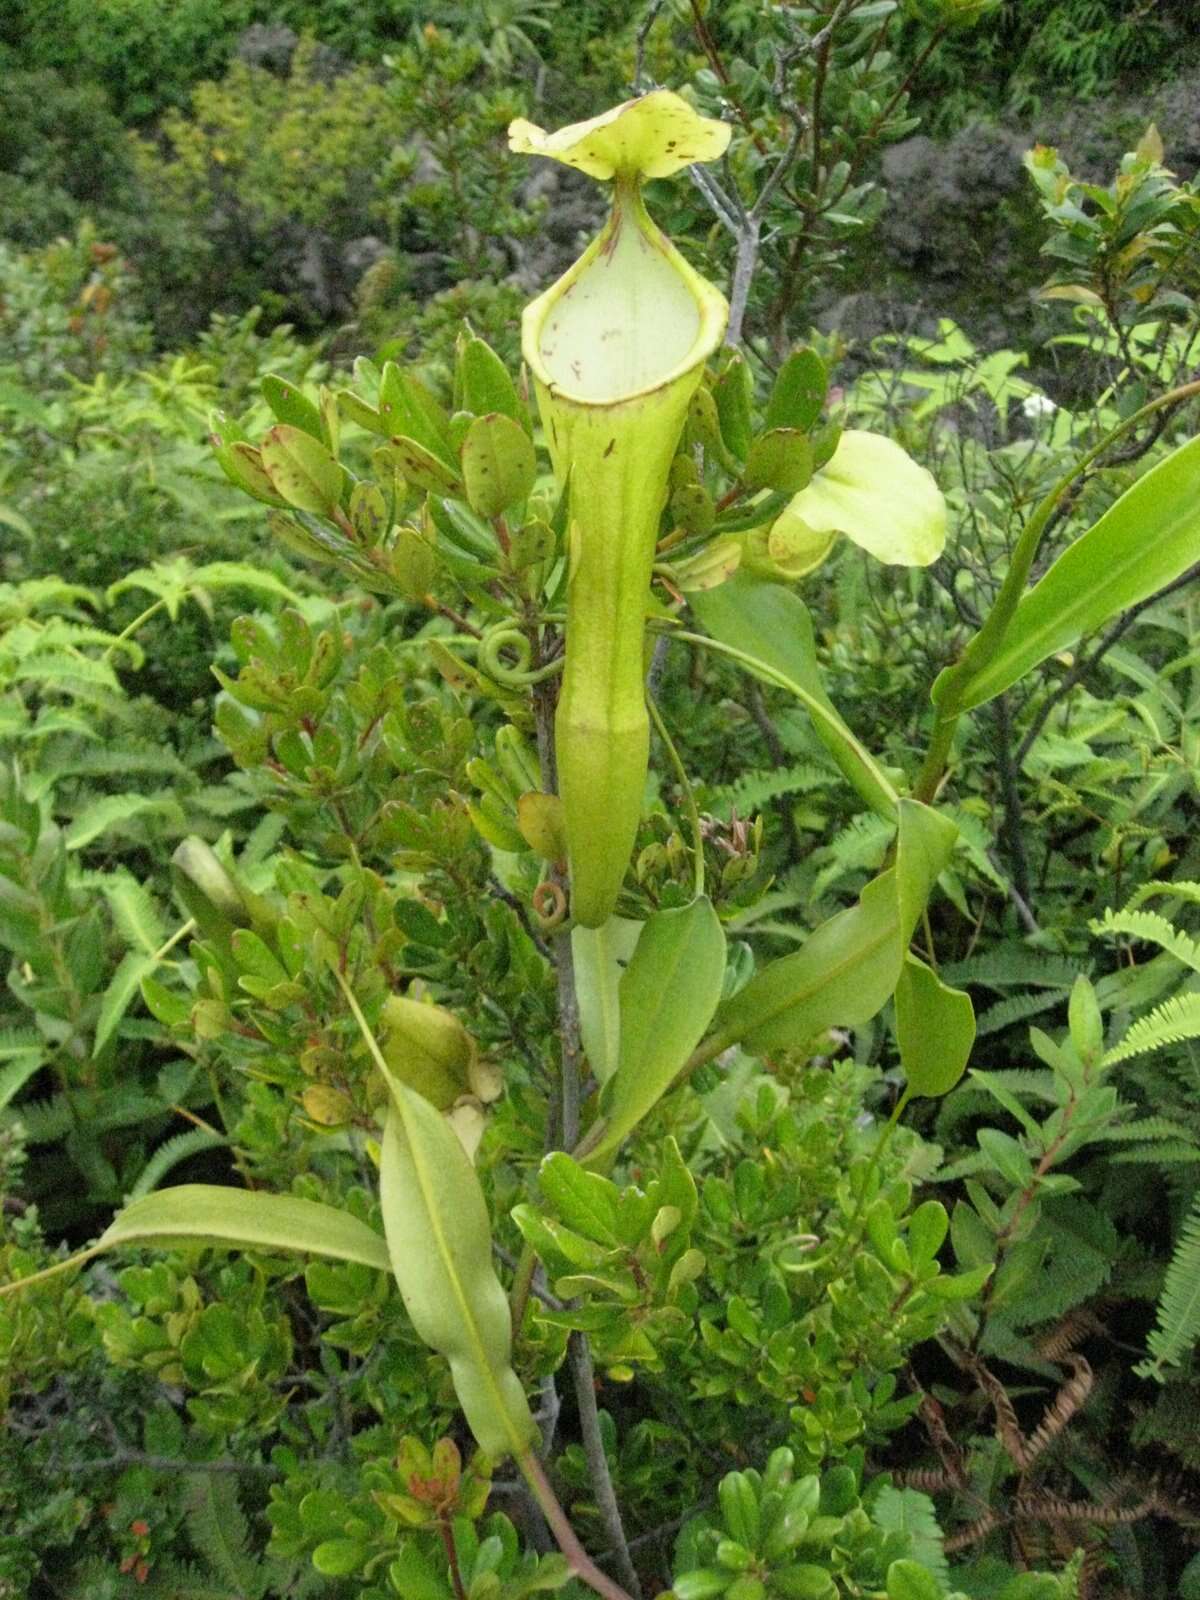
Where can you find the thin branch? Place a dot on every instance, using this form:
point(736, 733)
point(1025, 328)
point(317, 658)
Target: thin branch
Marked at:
point(583, 1377)
point(1088, 663)
point(640, 39)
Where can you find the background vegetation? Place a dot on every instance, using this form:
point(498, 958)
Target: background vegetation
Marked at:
point(195, 198)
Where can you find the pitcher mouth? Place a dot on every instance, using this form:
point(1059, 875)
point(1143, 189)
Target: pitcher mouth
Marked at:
point(626, 319)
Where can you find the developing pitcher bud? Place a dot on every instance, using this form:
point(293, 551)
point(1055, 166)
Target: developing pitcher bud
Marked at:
point(616, 348)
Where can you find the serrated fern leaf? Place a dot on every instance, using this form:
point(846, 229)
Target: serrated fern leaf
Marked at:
point(1149, 1128)
point(1183, 890)
point(133, 909)
point(1179, 1306)
point(18, 1041)
point(113, 811)
point(18, 1072)
point(861, 844)
point(126, 982)
point(1177, 1019)
point(1150, 928)
point(1016, 1009)
point(170, 1154)
point(1013, 966)
point(752, 791)
point(1174, 1151)
point(218, 1529)
point(910, 1512)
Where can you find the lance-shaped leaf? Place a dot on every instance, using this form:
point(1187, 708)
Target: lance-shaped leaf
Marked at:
point(409, 409)
point(484, 383)
point(772, 629)
point(600, 957)
point(241, 462)
point(847, 968)
point(302, 470)
point(1141, 544)
point(799, 391)
point(440, 1241)
point(237, 1218)
point(204, 1213)
point(498, 464)
point(935, 1029)
point(668, 994)
point(293, 407)
point(417, 465)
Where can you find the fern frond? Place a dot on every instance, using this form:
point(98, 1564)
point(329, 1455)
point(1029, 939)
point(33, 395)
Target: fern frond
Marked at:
point(113, 810)
point(1017, 1008)
point(752, 791)
point(1183, 890)
point(169, 1155)
point(133, 909)
point(861, 844)
point(1013, 966)
point(1179, 1306)
point(1150, 928)
point(1175, 1020)
point(910, 1512)
point(219, 1531)
point(1158, 1155)
point(18, 1041)
point(17, 1074)
point(1150, 1128)
point(53, 1118)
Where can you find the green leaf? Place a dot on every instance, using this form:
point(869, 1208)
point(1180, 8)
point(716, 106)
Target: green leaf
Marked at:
point(302, 470)
point(419, 467)
point(440, 1241)
point(770, 627)
point(293, 407)
point(877, 495)
point(668, 994)
point(799, 391)
point(239, 1219)
point(906, 1580)
point(408, 408)
point(485, 382)
point(935, 1029)
point(848, 967)
point(585, 1201)
point(1142, 543)
point(600, 955)
point(498, 464)
point(780, 459)
point(1006, 1155)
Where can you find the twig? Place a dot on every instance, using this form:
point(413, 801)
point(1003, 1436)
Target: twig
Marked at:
point(640, 38)
point(1088, 663)
point(583, 1377)
point(140, 1458)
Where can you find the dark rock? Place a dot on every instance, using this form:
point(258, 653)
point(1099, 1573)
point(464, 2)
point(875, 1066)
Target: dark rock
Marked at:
point(271, 46)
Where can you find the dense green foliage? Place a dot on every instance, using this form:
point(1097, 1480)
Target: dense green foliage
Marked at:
point(266, 767)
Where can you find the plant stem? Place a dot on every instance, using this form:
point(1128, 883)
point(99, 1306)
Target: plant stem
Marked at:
point(689, 798)
point(583, 1376)
point(581, 1564)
